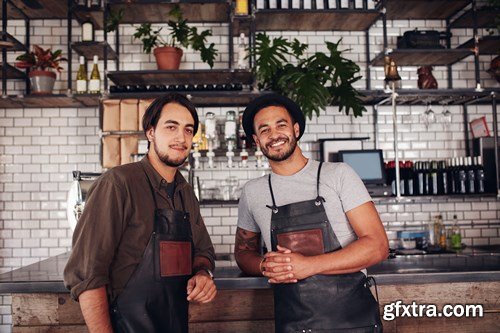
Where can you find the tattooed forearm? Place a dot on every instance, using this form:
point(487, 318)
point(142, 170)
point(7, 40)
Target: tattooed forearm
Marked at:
point(247, 240)
point(247, 251)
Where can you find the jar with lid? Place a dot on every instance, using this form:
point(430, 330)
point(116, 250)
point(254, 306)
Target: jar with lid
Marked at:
point(230, 129)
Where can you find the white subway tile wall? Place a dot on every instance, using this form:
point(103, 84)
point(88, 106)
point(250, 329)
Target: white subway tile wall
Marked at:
point(40, 147)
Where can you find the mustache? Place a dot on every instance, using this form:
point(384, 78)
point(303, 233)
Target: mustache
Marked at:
point(283, 138)
point(178, 146)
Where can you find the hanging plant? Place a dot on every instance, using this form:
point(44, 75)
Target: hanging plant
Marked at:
point(313, 82)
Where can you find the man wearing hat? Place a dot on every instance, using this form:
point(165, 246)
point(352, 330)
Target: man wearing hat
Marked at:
point(319, 222)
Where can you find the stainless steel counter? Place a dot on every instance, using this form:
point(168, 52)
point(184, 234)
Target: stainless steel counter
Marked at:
point(470, 266)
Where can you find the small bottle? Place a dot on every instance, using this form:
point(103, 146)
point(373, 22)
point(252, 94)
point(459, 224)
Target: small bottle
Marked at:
point(88, 34)
point(456, 236)
point(242, 53)
point(210, 126)
point(241, 7)
point(462, 177)
point(230, 129)
point(81, 77)
point(95, 78)
point(471, 176)
point(479, 174)
point(242, 137)
point(440, 232)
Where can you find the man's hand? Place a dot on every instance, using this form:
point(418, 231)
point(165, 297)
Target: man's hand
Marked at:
point(284, 266)
point(201, 288)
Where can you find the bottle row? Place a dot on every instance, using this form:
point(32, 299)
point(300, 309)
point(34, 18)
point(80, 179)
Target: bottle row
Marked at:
point(458, 175)
point(88, 3)
point(233, 136)
point(242, 6)
point(84, 84)
point(176, 87)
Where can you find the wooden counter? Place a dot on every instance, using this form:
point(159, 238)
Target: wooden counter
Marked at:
point(244, 304)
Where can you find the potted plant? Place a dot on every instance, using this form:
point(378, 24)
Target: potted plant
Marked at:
point(42, 64)
point(168, 55)
point(313, 82)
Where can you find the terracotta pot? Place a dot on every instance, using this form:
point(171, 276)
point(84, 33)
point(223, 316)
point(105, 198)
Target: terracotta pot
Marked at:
point(42, 82)
point(168, 57)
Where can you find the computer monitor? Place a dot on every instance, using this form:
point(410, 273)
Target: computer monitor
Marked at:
point(368, 164)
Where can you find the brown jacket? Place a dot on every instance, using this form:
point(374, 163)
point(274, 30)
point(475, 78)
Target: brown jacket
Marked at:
point(117, 223)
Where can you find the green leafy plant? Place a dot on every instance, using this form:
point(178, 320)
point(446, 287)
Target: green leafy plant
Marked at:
point(180, 34)
point(113, 20)
point(40, 59)
point(314, 82)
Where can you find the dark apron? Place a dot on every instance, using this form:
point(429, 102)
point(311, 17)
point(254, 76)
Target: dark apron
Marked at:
point(155, 297)
point(320, 303)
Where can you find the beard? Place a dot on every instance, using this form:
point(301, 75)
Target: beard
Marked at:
point(167, 160)
point(280, 156)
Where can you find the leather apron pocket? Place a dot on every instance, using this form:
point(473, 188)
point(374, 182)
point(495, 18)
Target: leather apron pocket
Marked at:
point(175, 258)
point(306, 242)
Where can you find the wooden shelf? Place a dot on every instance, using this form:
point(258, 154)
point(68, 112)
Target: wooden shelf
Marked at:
point(488, 45)
point(83, 13)
point(17, 45)
point(89, 49)
point(423, 57)
point(194, 11)
point(12, 73)
point(48, 101)
point(423, 9)
point(485, 18)
point(242, 98)
point(315, 20)
point(47, 9)
point(201, 98)
point(168, 77)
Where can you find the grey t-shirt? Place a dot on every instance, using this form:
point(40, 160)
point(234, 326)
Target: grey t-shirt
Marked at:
point(341, 187)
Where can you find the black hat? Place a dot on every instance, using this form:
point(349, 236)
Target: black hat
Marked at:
point(272, 100)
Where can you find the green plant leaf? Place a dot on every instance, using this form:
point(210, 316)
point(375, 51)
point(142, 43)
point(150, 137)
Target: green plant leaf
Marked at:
point(270, 59)
point(113, 20)
point(314, 82)
point(180, 34)
point(41, 59)
point(306, 89)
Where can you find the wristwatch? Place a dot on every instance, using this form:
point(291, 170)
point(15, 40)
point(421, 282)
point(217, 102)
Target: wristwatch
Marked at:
point(209, 272)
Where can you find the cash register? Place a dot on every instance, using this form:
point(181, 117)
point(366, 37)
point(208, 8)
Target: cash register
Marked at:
point(369, 165)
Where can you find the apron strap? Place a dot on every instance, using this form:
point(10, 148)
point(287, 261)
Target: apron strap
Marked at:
point(274, 208)
point(319, 198)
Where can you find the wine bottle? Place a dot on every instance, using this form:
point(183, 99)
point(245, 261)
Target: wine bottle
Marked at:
point(471, 176)
point(81, 77)
point(433, 177)
point(95, 78)
point(241, 61)
point(479, 174)
point(409, 178)
point(462, 177)
point(427, 178)
point(88, 33)
point(403, 174)
point(415, 178)
point(442, 178)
